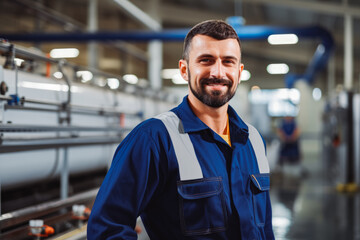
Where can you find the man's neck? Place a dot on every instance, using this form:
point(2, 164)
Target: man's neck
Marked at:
point(214, 118)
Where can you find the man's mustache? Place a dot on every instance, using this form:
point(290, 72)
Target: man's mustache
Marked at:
point(215, 81)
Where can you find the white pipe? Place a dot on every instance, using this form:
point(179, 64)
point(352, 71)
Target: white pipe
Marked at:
point(139, 15)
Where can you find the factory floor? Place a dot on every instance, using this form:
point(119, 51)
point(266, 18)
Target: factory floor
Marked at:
point(306, 206)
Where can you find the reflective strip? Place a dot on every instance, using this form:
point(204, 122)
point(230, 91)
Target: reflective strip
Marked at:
point(259, 149)
point(189, 167)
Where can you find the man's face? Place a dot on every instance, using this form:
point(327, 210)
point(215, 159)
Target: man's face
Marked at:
point(213, 69)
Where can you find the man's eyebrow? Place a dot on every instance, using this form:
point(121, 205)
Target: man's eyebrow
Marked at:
point(231, 57)
point(206, 55)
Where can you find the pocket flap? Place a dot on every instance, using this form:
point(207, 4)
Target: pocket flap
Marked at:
point(201, 188)
point(261, 181)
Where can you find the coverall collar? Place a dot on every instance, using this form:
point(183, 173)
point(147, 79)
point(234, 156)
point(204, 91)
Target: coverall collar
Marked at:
point(192, 123)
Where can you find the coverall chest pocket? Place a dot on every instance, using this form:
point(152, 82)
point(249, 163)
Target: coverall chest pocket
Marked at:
point(260, 185)
point(202, 206)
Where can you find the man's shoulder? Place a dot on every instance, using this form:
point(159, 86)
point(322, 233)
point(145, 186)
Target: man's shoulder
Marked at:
point(149, 131)
point(150, 126)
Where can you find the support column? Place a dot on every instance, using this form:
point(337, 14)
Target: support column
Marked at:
point(151, 21)
point(155, 64)
point(155, 49)
point(93, 51)
point(348, 52)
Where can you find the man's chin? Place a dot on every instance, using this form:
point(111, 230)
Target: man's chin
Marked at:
point(215, 101)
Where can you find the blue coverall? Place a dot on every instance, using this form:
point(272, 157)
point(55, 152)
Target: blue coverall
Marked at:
point(231, 201)
point(290, 150)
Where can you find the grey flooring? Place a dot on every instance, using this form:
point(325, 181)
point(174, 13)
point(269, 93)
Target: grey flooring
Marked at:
point(307, 206)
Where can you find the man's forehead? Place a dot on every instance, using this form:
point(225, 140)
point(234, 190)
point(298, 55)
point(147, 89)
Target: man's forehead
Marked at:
point(201, 37)
point(202, 44)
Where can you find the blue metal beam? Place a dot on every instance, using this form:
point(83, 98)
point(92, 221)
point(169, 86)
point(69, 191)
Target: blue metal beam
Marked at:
point(317, 63)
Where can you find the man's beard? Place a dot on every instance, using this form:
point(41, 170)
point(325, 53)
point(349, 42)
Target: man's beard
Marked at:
point(214, 98)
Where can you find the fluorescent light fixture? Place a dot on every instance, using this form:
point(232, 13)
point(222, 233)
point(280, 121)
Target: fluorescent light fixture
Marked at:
point(177, 79)
point(84, 75)
point(131, 78)
point(58, 75)
point(245, 75)
point(277, 68)
point(281, 39)
point(316, 93)
point(113, 83)
point(64, 53)
point(18, 61)
point(169, 73)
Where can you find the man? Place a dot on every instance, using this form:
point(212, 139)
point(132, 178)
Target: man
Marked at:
point(198, 171)
point(289, 134)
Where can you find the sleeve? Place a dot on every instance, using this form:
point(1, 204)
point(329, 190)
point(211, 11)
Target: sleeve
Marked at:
point(127, 188)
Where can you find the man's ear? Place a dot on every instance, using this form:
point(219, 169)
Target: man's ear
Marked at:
point(240, 72)
point(183, 67)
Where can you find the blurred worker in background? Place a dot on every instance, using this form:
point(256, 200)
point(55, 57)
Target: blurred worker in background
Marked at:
point(289, 134)
point(197, 171)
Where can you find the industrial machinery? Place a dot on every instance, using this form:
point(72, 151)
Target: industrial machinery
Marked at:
point(341, 141)
point(57, 137)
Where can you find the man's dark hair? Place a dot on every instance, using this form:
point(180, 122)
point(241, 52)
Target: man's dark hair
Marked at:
point(217, 29)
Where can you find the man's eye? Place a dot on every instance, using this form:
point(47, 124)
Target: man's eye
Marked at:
point(205, 60)
point(228, 61)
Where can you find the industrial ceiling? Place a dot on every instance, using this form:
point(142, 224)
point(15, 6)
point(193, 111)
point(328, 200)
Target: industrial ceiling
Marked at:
point(120, 57)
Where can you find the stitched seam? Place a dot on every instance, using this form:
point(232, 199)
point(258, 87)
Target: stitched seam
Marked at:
point(215, 192)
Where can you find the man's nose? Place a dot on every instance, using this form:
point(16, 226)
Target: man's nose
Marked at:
point(217, 70)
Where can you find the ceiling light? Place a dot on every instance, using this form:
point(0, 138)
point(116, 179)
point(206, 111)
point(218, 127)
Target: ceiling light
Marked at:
point(245, 75)
point(277, 68)
point(84, 75)
point(131, 78)
point(280, 39)
point(64, 53)
point(113, 83)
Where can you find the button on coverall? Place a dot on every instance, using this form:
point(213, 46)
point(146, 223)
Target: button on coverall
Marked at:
point(231, 201)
